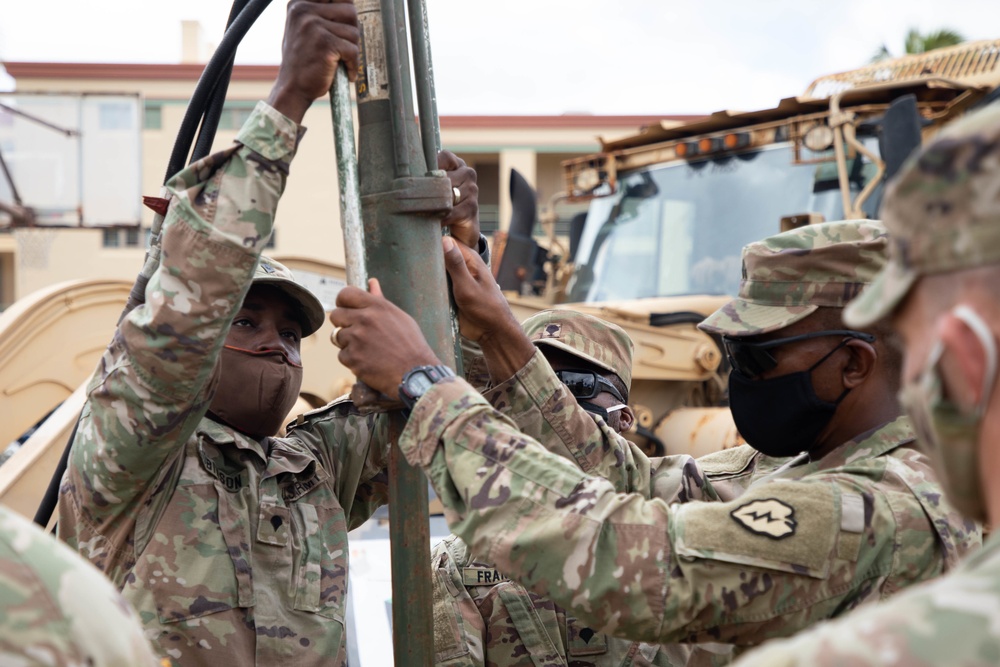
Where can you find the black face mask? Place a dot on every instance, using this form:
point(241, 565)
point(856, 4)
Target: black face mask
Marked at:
point(780, 416)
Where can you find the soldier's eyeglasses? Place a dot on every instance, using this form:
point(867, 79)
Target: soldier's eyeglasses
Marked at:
point(752, 358)
point(587, 384)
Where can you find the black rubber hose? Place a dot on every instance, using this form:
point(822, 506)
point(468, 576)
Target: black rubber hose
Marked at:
point(207, 101)
point(51, 497)
point(216, 102)
point(210, 77)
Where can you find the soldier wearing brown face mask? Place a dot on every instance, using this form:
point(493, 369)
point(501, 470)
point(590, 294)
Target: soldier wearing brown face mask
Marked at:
point(260, 369)
point(229, 542)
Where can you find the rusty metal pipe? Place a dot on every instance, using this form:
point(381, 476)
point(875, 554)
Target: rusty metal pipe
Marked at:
point(347, 176)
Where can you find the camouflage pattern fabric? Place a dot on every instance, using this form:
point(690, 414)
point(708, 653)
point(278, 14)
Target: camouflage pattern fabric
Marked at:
point(950, 621)
point(805, 543)
point(942, 212)
point(482, 617)
point(276, 274)
point(601, 343)
point(56, 609)
point(232, 550)
point(788, 276)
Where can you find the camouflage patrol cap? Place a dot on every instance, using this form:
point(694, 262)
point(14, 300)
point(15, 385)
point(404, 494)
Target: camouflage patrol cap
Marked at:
point(787, 277)
point(593, 340)
point(942, 212)
point(270, 272)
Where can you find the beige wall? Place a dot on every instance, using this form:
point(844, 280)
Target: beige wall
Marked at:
point(308, 216)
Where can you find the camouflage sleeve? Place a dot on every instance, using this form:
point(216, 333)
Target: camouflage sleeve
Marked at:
point(355, 448)
point(154, 382)
point(477, 373)
point(56, 609)
point(545, 411)
point(775, 560)
point(950, 621)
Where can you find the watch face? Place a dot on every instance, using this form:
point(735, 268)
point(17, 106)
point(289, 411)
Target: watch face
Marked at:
point(418, 384)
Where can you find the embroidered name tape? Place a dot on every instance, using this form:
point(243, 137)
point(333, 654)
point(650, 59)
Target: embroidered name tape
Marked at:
point(482, 576)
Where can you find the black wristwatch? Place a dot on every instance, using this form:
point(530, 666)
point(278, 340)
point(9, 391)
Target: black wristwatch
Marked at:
point(416, 383)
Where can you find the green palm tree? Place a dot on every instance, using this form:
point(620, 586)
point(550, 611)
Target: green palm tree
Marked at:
point(918, 43)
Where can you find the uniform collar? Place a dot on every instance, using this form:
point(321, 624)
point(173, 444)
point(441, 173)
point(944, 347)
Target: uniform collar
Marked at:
point(277, 454)
point(868, 445)
point(871, 444)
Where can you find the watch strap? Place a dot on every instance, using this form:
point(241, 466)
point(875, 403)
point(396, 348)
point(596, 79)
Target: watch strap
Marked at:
point(433, 374)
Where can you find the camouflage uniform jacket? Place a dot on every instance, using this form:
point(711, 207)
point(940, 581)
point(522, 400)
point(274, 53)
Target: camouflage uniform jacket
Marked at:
point(482, 617)
point(950, 621)
point(56, 609)
point(232, 550)
point(806, 543)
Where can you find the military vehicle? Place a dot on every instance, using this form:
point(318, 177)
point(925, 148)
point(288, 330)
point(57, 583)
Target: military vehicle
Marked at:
point(669, 209)
point(671, 206)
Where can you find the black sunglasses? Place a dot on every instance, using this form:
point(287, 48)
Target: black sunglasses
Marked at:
point(587, 384)
point(751, 359)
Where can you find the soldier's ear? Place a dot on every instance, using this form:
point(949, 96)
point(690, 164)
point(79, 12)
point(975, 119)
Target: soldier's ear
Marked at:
point(860, 363)
point(963, 363)
point(626, 419)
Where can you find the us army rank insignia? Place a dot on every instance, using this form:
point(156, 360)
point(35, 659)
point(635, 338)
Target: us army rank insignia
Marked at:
point(768, 517)
point(482, 576)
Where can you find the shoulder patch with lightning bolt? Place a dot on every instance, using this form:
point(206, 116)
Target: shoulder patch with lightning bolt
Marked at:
point(769, 517)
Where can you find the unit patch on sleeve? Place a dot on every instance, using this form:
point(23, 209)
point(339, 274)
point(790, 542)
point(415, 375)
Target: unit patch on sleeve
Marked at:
point(769, 517)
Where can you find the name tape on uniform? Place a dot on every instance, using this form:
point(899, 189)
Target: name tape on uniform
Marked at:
point(482, 576)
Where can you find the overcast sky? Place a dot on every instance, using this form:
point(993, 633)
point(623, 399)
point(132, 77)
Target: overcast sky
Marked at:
point(546, 56)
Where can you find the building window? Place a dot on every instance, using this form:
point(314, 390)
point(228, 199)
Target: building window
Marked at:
point(132, 237)
point(111, 239)
point(233, 119)
point(114, 116)
point(153, 117)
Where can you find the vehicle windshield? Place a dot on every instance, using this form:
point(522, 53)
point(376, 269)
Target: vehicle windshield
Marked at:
point(679, 229)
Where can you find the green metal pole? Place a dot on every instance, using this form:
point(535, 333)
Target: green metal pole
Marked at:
point(430, 126)
point(402, 207)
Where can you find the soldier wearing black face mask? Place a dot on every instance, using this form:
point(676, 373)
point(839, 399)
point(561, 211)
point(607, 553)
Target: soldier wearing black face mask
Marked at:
point(658, 550)
point(800, 381)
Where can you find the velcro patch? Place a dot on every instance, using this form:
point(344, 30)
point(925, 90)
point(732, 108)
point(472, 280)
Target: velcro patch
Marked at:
point(787, 526)
point(769, 517)
point(852, 513)
point(482, 576)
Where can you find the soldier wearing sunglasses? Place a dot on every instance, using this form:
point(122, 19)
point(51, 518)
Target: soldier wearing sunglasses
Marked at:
point(854, 515)
point(482, 617)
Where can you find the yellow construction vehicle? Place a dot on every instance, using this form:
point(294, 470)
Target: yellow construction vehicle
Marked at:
point(672, 205)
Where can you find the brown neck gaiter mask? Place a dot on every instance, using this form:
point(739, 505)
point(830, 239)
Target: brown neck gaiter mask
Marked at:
point(256, 390)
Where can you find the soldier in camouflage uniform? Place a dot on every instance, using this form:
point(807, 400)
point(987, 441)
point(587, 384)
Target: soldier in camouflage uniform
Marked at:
point(939, 290)
point(231, 544)
point(854, 517)
point(56, 609)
